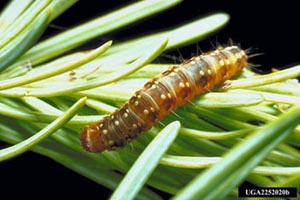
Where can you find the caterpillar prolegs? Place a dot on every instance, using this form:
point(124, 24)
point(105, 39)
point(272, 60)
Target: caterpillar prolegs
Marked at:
point(162, 95)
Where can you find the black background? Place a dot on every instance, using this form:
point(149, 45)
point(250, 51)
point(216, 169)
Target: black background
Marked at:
point(271, 28)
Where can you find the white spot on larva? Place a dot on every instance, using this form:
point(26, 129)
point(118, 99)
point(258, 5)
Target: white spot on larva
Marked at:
point(221, 62)
point(243, 53)
point(125, 115)
point(192, 62)
point(134, 126)
point(176, 70)
point(156, 82)
point(127, 110)
point(187, 84)
point(181, 84)
point(201, 72)
point(197, 58)
point(162, 96)
point(105, 131)
point(111, 142)
point(209, 72)
point(169, 95)
point(172, 74)
point(112, 117)
point(117, 123)
point(146, 112)
point(138, 96)
point(153, 86)
point(101, 125)
point(152, 109)
point(136, 103)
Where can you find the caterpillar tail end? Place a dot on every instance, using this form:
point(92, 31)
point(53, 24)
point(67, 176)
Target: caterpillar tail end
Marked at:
point(91, 139)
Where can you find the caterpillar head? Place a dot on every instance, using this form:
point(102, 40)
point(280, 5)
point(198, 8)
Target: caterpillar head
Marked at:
point(91, 139)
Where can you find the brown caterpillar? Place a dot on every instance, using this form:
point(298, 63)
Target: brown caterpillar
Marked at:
point(162, 95)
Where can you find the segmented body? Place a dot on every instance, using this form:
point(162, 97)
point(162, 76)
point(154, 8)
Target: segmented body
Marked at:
point(162, 95)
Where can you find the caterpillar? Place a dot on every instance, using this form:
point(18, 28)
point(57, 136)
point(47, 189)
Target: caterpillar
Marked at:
point(162, 95)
